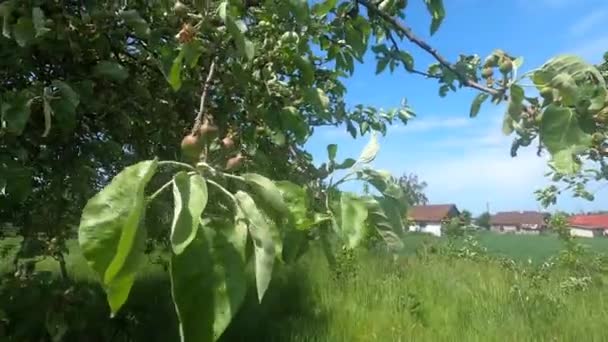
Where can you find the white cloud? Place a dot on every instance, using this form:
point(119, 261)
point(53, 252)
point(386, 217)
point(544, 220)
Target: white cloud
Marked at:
point(591, 50)
point(476, 176)
point(431, 123)
point(588, 22)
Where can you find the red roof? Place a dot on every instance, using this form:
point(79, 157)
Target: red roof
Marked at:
point(432, 213)
point(517, 218)
point(589, 221)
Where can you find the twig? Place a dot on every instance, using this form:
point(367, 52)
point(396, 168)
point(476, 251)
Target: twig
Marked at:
point(413, 71)
point(201, 111)
point(409, 34)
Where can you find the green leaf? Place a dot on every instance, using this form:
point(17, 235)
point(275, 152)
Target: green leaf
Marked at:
point(136, 22)
point(564, 162)
point(249, 49)
point(356, 40)
point(24, 31)
point(111, 70)
point(38, 19)
point(332, 150)
point(369, 151)
point(111, 234)
point(322, 8)
point(437, 11)
point(237, 28)
point(382, 63)
point(6, 11)
point(192, 52)
point(318, 97)
point(190, 200)
point(353, 215)
point(477, 102)
point(263, 242)
point(518, 62)
point(516, 99)
point(346, 164)
point(64, 106)
point(387, 219)
point(17, 181)
point(407, 60)
point(175, 74)
point(208, 280)
point(351, 129)
point(67, 93)
point(267, 191)
point(296, 200)
point(15, 113)
point(299, 9)
point(306, 69)
point(560, 129)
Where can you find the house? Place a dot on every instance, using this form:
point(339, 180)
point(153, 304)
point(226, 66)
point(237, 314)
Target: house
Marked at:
point(526, 222)
point(428, 218)
point(588, 225)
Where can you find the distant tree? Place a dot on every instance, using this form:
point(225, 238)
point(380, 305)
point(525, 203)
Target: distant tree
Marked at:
point(483, 220)
point(413, 188)
point(466, 217)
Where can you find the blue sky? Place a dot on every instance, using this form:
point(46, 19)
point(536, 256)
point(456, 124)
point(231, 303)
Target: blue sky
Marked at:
point(466, 161)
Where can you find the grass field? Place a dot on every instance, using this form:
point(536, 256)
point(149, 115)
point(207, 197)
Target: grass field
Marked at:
point(430, 298)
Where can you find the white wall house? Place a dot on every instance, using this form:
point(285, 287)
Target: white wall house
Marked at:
point(428, 218)
point(525, 222)
point(588, 226)
point(588, 232)
point(430, 228)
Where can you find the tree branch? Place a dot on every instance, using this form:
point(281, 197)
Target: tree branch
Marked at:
point(201, 111)
point(409, 34)
point(413, 71)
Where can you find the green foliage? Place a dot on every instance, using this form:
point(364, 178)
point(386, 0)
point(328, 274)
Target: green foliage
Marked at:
point(208, 280)
point(353, 215)
point(111, 233)
point(248, 82)
point(190, 198)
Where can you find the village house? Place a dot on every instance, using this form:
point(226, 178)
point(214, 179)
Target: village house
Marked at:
point(428, 218)
point(588, 225)
point(526, 222)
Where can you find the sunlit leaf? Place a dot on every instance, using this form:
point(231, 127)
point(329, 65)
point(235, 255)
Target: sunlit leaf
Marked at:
point(324, 7)
point(264, 244)
point(437, 11)
point(560, 129)
point(190, 199)
point(111, 235)
point(267, 191)
point(208, 280)
point(175, 74)
point(353, 215)
point(295, 198)
point(369, 151)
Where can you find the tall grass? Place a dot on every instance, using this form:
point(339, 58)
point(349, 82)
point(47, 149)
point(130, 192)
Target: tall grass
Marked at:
point(424, 299)
point(419, 296)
